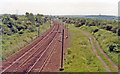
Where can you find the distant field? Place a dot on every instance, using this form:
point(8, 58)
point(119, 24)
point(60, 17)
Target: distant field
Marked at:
point(104, 17)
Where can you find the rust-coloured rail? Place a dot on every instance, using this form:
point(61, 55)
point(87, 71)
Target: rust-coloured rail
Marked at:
point(36, 56)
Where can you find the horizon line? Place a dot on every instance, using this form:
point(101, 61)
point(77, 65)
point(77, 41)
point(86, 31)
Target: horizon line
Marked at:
point(61, 14)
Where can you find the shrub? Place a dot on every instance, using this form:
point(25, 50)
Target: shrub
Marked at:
point(14, 17)
point(118, 32)
point(69, 52)
point(96, 30)
point(21, 32)
point(109, 28)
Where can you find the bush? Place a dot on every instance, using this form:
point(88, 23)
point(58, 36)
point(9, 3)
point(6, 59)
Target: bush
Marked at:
point(109, 28)
point(21, 32)
point(14, 17)
point(96, 30)
point(114, 48)
point(77, 25)
point(69, 51)
point(118, 32)
point(111, 48)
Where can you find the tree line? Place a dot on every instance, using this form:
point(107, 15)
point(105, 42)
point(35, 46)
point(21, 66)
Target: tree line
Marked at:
point(12, 24)
point(102, 24)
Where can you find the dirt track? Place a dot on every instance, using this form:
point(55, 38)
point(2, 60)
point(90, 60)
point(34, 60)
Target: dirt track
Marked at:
point(44, 54)
point(97, 54)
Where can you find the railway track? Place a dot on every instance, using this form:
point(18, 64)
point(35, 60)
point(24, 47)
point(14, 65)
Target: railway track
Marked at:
point(22, 52)
point(39, 64)
point(37, 55)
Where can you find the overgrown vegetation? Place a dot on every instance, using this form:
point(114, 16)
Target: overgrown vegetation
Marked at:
point(12, 24)
point(80, 56)
point(20, 30)
point(107, 32)
point(107, 40)
point(102, 24)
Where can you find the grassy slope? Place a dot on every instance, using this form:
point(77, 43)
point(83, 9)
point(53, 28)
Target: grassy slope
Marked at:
point(104, 58)
point(104, 38)
point(13, 44)
point(80, 57)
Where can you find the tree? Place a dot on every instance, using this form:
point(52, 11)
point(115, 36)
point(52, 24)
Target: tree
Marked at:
point(96, 30)
point(27, 14)
point(118, 32)
point(109, 28)
point(21, 32)
point(39, 19)
point(30, 17)
point(8, 21)
point(5, 20)
point(14, 17)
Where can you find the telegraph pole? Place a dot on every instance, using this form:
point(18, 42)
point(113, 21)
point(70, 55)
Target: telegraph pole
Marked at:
point(62, 51)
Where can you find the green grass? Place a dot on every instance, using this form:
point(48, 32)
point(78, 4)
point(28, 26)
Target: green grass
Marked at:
point(104, 58)
point(14, 43)
point(105, 38)
point(80, 56)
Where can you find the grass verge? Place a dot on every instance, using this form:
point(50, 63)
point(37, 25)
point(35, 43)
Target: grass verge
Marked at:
point(80, 56)
point(104, 42)
point(103, 57)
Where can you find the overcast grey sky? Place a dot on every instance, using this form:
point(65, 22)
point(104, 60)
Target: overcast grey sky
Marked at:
point(60, 7)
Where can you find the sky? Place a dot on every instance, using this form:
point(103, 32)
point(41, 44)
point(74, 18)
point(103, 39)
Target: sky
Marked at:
point(60, 7)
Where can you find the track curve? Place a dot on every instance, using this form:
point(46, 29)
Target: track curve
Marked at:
point(34, 57)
